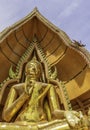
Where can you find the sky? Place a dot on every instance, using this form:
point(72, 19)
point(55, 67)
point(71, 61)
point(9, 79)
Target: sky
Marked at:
point(72, 16)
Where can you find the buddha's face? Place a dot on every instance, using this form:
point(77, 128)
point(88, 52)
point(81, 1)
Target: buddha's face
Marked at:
point(33, 70)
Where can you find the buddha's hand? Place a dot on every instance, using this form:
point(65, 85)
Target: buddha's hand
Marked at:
point(73, 118)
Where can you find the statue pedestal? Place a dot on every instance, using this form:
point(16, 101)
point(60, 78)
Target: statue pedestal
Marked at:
point(55, 125)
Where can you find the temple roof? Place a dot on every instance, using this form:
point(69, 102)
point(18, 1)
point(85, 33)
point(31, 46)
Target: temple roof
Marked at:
point(40, 26)
point(71, 59)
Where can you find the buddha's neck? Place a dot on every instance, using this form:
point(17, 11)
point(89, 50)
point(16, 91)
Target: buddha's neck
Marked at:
point(32, 78)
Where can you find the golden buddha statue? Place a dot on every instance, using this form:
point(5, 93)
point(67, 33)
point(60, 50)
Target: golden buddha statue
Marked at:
point(37, 104)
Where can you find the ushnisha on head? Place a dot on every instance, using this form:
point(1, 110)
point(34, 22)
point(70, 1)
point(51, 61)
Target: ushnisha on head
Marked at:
point(33, 68)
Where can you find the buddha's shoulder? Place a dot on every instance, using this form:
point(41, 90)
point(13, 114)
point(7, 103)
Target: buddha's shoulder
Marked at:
point(19, 85)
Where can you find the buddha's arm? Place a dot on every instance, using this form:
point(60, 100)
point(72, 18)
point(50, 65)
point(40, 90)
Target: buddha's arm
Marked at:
point(13, 104)
point(54, 102)
point(53, 99)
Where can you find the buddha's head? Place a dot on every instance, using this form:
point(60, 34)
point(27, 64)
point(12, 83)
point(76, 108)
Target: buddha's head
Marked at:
point(33, 68)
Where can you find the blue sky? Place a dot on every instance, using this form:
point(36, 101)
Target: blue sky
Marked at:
point(72, 16)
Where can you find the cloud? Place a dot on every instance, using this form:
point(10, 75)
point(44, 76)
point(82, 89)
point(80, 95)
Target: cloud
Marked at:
point(69, 10)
